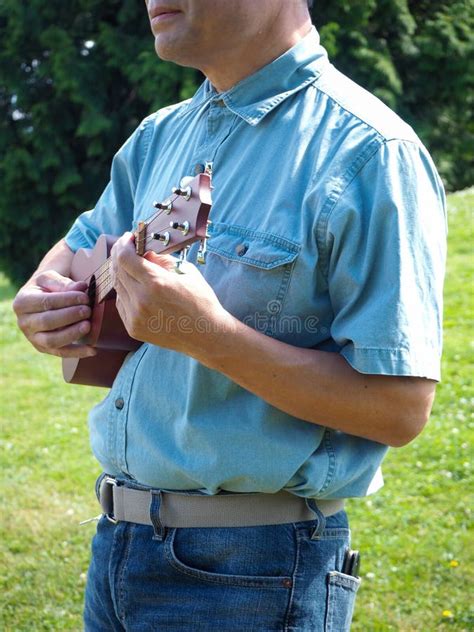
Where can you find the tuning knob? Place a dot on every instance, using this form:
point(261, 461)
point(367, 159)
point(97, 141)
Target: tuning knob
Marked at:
point(202, 252)
point(166, 206)
point(184, 192)
point(184, 227)
point(163, 237)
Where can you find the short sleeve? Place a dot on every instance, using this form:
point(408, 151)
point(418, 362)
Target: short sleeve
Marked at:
point(113, 213)
point(387, 250)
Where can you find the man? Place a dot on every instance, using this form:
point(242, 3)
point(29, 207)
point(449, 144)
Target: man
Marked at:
point(321, 296)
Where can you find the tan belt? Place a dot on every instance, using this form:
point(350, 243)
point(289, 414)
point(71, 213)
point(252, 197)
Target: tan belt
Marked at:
point(122, 503)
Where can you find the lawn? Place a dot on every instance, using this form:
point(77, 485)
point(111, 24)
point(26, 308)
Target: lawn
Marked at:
point(414, 535)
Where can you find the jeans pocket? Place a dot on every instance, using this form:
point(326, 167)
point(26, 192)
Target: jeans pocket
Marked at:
point(342, 590)
point(259, 557)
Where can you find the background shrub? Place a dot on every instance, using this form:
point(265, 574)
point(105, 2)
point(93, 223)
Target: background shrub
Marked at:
point(76, 78)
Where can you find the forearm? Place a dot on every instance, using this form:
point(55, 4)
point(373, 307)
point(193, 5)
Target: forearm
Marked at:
point(321, 387)
point(316, 386)
point(59, 259)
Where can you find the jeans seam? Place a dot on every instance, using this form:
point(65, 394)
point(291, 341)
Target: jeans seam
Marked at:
point(293, 580)
point(121, 587)
point(112, 570)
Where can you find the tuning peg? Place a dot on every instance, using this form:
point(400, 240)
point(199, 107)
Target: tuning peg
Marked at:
point(202, 252)
point(184, 192)
point(181, 259)
point(163, 237)
point(184, 227)
point(165, 206)
point(186, 181)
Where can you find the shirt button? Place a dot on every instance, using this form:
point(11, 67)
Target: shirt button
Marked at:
point(241, 250)
point(119, 403)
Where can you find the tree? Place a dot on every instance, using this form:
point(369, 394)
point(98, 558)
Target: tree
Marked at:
point(417, 56)
point(76, 78)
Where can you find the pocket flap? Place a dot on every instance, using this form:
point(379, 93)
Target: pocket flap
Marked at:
point(255, 248)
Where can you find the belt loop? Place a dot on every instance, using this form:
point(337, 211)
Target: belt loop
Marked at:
point(98, 484)
point(319, 517)
point(155, 505)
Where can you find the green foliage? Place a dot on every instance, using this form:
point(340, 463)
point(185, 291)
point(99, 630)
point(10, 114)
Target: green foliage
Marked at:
point(417, 56)
point(76, 78)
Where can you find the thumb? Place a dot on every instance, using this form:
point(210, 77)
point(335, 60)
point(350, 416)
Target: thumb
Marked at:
point(52, 281)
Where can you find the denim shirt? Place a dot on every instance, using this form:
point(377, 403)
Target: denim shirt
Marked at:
point(328, 233)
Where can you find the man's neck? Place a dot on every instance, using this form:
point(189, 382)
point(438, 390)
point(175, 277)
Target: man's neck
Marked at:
point(234, 67)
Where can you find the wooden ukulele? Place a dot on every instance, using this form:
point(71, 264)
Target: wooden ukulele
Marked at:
point(180, 221)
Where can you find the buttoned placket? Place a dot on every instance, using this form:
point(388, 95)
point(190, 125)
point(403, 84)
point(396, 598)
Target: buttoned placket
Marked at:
point(220, 122)
point(119, 411)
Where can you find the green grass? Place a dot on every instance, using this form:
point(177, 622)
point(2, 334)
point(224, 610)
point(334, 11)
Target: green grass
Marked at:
point(417, 553)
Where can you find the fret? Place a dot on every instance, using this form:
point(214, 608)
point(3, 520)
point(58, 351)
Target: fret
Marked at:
point(105, 283)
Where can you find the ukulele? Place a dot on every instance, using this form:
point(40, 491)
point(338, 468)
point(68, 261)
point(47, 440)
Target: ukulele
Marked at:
point(179, 221)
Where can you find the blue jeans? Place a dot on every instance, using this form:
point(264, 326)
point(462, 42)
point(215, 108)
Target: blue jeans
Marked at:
point(283, 577)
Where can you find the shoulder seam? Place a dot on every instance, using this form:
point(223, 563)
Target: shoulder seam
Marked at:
point(356, 116)
point(336, 194)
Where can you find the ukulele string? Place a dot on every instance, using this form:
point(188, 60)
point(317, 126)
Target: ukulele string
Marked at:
point(102, 282)
point(104, 277)
point(106, 262)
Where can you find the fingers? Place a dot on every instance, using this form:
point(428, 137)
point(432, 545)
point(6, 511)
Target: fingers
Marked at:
point(77, 351)
point(125, 258)
point(55, 282)
point(122, 301)
point(32, 300)
point(52, 341)
point(53, 319)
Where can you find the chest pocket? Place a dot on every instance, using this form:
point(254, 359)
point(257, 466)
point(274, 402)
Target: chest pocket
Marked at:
point(250, 272)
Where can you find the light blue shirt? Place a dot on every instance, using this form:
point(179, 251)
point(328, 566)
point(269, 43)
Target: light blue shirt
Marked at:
point(328, 232)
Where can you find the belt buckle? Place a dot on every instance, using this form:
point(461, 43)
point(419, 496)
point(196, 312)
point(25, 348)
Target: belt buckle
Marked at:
point(113, 483)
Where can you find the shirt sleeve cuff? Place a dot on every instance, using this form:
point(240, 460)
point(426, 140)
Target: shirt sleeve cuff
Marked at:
point(420, 363)
point(75, 239)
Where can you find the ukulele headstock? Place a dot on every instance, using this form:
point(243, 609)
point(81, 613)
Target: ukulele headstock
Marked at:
point(180, 220)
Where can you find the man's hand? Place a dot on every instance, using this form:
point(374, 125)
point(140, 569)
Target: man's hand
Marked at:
point(53, 311)
point(159, 306)
point(181, 312)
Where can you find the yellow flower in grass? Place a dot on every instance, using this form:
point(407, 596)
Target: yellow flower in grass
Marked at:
point(447, 614)
point(453, 563)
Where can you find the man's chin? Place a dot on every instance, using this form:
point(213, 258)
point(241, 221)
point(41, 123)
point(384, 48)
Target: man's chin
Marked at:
point(166, 50)
point(171, 51)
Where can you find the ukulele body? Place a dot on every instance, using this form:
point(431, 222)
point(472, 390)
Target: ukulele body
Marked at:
point(107, 334)
point(180, 221)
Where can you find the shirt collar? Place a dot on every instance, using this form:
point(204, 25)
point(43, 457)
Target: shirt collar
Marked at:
point(257, 95)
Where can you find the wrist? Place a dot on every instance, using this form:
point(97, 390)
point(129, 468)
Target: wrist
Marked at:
point(215, 338)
